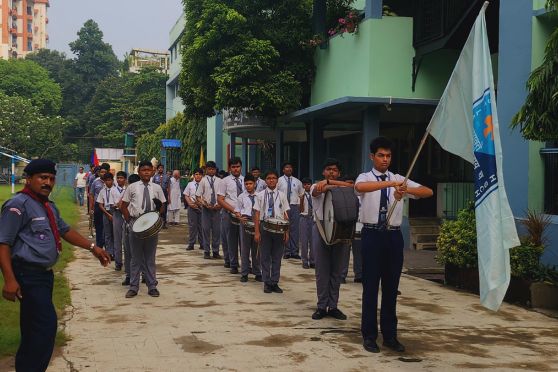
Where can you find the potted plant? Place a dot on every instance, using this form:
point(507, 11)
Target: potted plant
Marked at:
point(544, 291)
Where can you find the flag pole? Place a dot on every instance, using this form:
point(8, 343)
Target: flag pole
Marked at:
point(422, 142)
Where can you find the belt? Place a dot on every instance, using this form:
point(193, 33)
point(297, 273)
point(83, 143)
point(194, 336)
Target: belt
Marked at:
point(375, 226)
point(30, 266)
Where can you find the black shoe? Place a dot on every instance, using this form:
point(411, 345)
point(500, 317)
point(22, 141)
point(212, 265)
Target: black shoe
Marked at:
point(258, 278)
point(399, 293)
point(296, 256)
point(118, 267)
point(165, 226)
point(305, 266)
point(287, 256)
point(227, 265)
point(337, 314)
point(216, 255)
point(200, 248)
point(131, 293)
point(370, 345)
point(126, 281)
point(357, 280)
point(206, 256)
point(111, 257)
point(394, 345)
point(312, 266)
point(268, 288)
point(244, 278)
point(276, 289)
point(319, 314)
point(189, 248)
point(343, 281)
point(153, 292)
point(143, 279)
point(234, 270)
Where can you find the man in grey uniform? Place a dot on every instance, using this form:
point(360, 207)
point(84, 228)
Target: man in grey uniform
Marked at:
point(206, 195)
point(30, 232)
point(139, 198)
point(194, 211)
point(96, 187)
point(292, 188)
point(330, 259)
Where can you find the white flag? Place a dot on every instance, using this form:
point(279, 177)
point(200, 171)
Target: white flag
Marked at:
point(465, 123)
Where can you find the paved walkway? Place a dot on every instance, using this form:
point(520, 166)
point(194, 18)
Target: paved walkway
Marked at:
point(206, 319)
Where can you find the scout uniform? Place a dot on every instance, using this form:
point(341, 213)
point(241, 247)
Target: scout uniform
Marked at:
point(248, 247)
point(118, 228)
point(292, 188)
point(211, 218)
point(230, 188)
point(306, 222)
point(106, 198)
point(194, 216)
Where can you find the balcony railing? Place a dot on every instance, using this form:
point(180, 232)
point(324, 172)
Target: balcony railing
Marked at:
point(241, 120)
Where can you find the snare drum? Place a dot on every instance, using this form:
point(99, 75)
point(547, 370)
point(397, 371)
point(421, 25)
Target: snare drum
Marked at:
point(147, 225)
point(234, 219)
point(275, 225)
point(250, 227)
point(358, 231)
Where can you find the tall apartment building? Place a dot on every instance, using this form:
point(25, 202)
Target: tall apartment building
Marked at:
point(23, 26)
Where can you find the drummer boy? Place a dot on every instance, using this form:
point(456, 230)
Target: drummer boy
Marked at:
point(140, 198)
point(271, 204)
point(248, 247)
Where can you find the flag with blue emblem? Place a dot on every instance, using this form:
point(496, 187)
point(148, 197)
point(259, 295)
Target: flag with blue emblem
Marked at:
point(465, 123)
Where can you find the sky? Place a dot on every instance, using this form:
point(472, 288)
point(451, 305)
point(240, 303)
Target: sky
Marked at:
point(126, 24)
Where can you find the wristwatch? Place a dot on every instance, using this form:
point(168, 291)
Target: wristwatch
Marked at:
point(91, 247)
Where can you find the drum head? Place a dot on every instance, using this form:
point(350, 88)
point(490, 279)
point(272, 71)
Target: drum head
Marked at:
point(145, 221)
point(358, 227)
point(277, 221)
point(329, 217)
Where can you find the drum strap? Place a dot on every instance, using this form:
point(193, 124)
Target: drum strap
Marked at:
point(321, 229)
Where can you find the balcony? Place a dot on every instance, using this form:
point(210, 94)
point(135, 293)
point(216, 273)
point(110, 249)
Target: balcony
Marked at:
point(241, 121)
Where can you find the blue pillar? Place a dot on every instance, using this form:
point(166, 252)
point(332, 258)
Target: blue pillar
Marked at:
point(373, 9)
point(278, 149)
point(218, 139)
point(514, 68)
point(244, 154)
point(370, 130)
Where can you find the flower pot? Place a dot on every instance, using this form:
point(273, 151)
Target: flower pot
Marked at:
point(462, 277)
point(544, 295)
point(519, 291)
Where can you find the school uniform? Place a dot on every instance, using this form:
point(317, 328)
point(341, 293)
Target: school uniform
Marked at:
point(330, 261)
point(271, 204)
point(98, 220)
point(175, 201)
point(230, 188)
point(260, 185)
point(248, 248)
point(118, 228)
point(382, 255)
point(163, 180)
point(356, 248)
point(293, 189)
point(306, 224)
point(107, 200)
point(194, 216)
point(211, 219)
point(139, 197)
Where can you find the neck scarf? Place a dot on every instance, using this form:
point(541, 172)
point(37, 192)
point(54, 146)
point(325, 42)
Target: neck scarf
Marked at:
point(50, 214)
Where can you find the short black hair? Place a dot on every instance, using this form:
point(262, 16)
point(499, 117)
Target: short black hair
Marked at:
point(234, 161)
point(331, 161)
point(211, 164)
point(145, 163)
point(160, 165)
point(133, 178)
point(285, 163)
point(222, 174)
point(380, 142)
point(108, 176)
point(249, 177)
point(349, 177)
point(255, 169)
point(105, 166)
point(121, 174)
point(306, 180)
point(198, 170)
point(271, 171)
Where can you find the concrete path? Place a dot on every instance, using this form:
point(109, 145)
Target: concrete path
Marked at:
point(206, 319)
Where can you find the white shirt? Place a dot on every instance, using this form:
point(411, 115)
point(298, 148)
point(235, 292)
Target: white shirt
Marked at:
point(117, 193)
point(190, 190)
point(134, 196)
point(205, 190)
point(175, 197)
point(229, 189)
point(105, 197)
point(260, 185)
point(306, 196)
point(280, 204)
point(244, 204)
point(317, 204)
point(296, 188)
point(81, 179)
point(370, 201)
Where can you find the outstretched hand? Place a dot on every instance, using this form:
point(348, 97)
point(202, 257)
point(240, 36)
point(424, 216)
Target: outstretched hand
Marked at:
point(102, 256)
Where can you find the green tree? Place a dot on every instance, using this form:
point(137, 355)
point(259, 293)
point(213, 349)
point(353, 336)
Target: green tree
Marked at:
point(538, 117)
point(24, 129)
point(29, 80)
point(53, 61)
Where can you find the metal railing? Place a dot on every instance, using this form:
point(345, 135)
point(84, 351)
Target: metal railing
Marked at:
point(241, 120)
point(453, 197)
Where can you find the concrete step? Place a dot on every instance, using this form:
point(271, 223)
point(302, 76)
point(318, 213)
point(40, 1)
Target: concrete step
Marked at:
point(425, 238)
point(429, 246)
point(424, 221)
point(426, 229)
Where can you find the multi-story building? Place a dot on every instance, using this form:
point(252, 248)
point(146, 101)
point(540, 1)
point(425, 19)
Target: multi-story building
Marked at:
point(140, 58)
point(23, 27)
point(174, 102)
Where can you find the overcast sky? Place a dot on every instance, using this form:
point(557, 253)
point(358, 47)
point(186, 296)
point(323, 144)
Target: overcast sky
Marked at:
point(126, 24)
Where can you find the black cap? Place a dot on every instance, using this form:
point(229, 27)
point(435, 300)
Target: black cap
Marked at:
point(40, 166)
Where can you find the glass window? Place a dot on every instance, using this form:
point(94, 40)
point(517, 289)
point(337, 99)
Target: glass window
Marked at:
point(550, 157)
point(29, 45)
point(29, 26)
point(29, 11)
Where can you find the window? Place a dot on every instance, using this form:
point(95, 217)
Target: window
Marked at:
point(29, 45)
point(29, 11)
point(550, 157)
point(30, 26)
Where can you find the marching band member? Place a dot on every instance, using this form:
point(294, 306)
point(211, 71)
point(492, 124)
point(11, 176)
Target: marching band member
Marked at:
point(194, 211)
point(106, 204)
point(117, 218)
point(94, 190)
point(306, 222)
point(133, 178)
point(244, 211)
point(260, 184)
point(211, 218)
point(292, 188)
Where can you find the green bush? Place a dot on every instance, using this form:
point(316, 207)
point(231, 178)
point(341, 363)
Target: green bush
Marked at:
point(524, 260)
point(457, 242)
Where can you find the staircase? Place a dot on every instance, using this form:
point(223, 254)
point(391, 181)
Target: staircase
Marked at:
point(424, 232)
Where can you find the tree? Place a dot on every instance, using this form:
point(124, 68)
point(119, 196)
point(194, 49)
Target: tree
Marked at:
point(538, 117)
point(53, 61)
point(29, 80)
point(24, 129)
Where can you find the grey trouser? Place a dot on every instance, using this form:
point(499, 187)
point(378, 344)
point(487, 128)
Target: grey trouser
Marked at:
point(143, 261)
point(224, 232)
point(107, 232)
point(356, 246)
point(194, 227)
point(231, 234)
point(127, 251)
point(291, 247)
point(271, 253)
point(249, 248)
point(306, 248)
point(118, 233)
point(211, 229)
point(330, 262)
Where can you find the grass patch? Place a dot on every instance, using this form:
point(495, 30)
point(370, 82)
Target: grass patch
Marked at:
point(9, 319)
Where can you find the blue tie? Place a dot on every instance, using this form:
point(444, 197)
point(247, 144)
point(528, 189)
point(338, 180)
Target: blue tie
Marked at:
point(382, 217)
point(270, 208)
point(289, 190)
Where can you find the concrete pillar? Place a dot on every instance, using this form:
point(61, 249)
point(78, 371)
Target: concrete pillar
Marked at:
point(232, 137)
point(373, 9)
point(514, 68)
point(218, 140)
point(252, 156)
point(244, 154)
point(278, 149)
point(370, 130)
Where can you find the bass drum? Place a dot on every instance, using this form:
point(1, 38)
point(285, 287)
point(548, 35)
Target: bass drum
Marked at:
point(334, 231)
point(147, 225)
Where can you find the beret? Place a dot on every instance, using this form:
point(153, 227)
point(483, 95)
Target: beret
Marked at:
point(40, 166)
